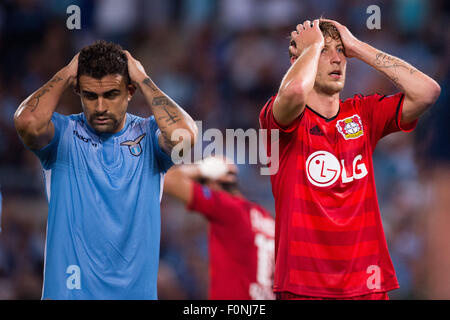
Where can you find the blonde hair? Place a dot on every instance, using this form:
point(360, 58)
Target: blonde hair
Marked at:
point(328, 30)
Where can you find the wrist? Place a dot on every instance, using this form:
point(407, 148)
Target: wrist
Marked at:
point(144, 82)
point(68, 78)
point(358, 49)
point(142, 79)
point(318, 45)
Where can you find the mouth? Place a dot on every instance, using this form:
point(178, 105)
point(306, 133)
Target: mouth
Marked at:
point(336, 74)
point(101, 120)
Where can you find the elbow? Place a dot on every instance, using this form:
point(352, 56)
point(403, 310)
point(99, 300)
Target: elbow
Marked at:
point(29, 128)
point(194, 134)
point(24, 123)
point(191, 134)
point(427, 96)
point(434, 92)
point(185, 137)
point(292, 93)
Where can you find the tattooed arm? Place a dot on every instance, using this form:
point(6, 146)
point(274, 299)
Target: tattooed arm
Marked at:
point(420, 90)
point(168, 115)
point(33, 117)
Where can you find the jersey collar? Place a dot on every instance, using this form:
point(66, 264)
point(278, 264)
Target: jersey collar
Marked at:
point(325, 118)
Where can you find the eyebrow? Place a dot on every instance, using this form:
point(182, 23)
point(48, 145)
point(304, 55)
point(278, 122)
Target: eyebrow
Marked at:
point(338, 45)
point(104, 93)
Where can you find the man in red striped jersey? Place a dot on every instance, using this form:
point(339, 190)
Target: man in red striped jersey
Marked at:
point(329, 240)
point(241, 233)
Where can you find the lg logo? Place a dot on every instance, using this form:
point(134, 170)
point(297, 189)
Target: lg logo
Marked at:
point(323, 169)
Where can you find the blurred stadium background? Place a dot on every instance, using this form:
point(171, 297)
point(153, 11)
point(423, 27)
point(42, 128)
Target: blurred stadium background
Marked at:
point(221, 60)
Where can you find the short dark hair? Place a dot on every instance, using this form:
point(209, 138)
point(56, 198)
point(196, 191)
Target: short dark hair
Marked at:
point(101, 59)
point(328, 30)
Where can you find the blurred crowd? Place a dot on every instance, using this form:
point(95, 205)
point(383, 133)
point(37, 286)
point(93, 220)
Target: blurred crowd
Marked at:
point(221, 60)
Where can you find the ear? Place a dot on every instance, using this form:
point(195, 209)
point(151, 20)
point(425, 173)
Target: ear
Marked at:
point(131, 90)
point(293, 58)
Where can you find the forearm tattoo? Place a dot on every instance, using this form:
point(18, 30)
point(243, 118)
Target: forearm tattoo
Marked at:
point(383, 60)
point(34, 100)
point(148, 83)
point(170, 115)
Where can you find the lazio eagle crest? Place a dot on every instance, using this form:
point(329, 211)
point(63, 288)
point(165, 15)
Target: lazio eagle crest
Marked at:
point(134, 145)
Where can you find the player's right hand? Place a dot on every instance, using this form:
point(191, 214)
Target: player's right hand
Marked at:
point(305, 35)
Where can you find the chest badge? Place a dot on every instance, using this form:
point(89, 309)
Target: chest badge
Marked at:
point(351, 127)
point(134, 145)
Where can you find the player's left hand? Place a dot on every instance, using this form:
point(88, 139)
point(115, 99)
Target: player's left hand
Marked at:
point(350, 42)
point(135, 70)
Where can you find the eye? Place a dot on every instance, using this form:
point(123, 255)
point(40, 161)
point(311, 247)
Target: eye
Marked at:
point(340, 50)
point(111, 95)
point(324, 50)
point(90, 96)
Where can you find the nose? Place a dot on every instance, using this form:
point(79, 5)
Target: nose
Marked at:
point(100, 106)
point(335, 58)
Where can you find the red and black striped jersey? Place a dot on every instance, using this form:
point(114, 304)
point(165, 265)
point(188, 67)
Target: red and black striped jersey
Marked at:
point(329, 238)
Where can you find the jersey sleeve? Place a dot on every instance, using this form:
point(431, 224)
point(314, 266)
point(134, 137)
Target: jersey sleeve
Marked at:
point(267, 120)
point(47, 155)
point(383, 115)
point(216, 206)
point(162, 158)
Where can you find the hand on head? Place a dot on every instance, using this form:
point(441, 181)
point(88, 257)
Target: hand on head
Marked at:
point(305, 35)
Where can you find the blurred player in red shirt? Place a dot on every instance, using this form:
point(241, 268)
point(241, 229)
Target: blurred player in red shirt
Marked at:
point(241, 233)
point(329, 239)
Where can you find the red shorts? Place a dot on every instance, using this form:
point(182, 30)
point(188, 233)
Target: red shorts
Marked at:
point(370, 296)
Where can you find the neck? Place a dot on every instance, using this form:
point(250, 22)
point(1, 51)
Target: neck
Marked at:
point(324, 104)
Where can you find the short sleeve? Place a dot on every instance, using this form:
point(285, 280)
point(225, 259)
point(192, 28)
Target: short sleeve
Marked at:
point(163, 159)
point(382, 114)
point(214, 205)
point(267, 120)
point(47, 155)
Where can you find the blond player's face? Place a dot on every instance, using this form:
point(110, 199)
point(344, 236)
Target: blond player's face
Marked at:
point(105, 102)
point(330, 78)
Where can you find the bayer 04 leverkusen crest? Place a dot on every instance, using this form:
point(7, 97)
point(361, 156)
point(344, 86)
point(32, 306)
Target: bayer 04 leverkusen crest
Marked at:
point(351, 127)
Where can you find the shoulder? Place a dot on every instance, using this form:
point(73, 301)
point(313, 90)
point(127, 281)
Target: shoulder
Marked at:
point(267, 106)
point(359, 99)
point(64, 122)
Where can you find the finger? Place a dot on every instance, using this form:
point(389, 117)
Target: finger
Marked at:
point(294, 34)
point(127, 54)
point(293, 50)
point(300, 28)
point(316, 23)
point(307, 24)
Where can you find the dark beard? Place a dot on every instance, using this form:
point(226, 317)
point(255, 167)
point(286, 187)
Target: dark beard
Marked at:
point(108, 128)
